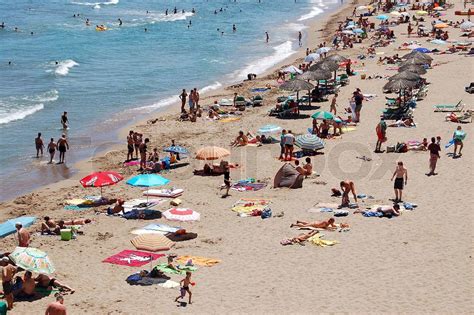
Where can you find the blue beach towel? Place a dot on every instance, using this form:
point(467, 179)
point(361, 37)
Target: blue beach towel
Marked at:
point(372, 214)
point(8, 227)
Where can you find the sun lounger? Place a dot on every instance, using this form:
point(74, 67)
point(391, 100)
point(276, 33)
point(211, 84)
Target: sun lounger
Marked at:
point(449, 108)
point(140, 204)
point(166, 193)
point(226, 102)
point(257, 100)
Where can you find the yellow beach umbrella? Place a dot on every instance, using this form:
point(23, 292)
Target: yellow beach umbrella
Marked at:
point(421, 12)
point(211, 153)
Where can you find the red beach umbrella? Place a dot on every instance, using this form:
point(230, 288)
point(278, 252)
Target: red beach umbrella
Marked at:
point(101, 179)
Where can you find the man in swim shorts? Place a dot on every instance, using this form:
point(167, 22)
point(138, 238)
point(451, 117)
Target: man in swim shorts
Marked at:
point(39, 145)
point(381, 131)
point(401, 177)
point(142, 148)
point(63, 146)
point(8, 272)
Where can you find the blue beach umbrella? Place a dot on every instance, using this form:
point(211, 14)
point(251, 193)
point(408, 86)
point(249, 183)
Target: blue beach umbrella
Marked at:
point(269, 129)
point(382, 17)
point(309, 142)
point(176, 149)
point(148, 180)
point(423, 50)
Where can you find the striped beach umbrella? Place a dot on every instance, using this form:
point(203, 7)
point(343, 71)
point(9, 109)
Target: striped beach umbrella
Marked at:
point(309, 142)
point(268, 129)
point(323, 115)
point(32, 259)
point(181, 214)
point(152, 242)
point(211, 153)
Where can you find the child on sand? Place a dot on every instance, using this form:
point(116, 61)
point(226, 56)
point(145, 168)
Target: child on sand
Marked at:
point(185, 287)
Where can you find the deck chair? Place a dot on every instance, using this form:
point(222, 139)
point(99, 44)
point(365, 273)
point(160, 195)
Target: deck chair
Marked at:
point(240, 101)
point(257, 100)
point(449, 108)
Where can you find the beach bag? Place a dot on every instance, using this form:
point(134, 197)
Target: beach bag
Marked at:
point(390, 148)
point(266, 213)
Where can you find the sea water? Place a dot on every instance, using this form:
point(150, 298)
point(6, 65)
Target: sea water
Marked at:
point(54, 62)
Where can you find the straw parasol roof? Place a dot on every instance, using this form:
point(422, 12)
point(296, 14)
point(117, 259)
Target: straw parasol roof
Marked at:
point(296, 85)
point(413, 68)
point(420, 55)
point(337, 58)
point(399, 84)
point(406, 75)
point(328, 65)
point(211, 153)
point(315, 75)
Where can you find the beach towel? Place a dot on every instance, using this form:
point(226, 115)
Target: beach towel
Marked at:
point(249, 205)
point(74, 208)
point(374, 214)
point(136, 279)
point(8, 227)
point(181, 269)
point(323, 207)
point(259, 90)
point(166, 193)
point(142, 214)
point(156, 228)
point(318, 241)
point(198, 260)
point(141, 204)
point(248, 186)
point(132, 258)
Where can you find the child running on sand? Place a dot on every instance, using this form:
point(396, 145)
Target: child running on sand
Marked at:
point(185, 287)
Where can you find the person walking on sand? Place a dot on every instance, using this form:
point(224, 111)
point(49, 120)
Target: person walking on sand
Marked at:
point(185, 283)
point(39, 145)
point(142, 149)
point(434, 155)
point(300, 38)
point(226, 166)
point(23, 235)
point(56, 308)
point(191, 101)
point(334, 104)
point(52, 150)
point(64, 121)
point(381, 131)
point(63, 146)
point(282, 144)
point(458, 137)
point(137, 140)
point(130, 144)
point(183, 96)
point(289, 140)
point(401, 177)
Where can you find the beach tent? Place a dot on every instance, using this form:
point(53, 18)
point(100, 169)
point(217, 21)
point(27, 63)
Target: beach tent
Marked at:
point(288, 176)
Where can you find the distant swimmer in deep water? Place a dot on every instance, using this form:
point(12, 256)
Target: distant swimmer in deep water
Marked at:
point(234, 29)
point(193, 11)
point(88, 23)
point(2, 25)
point(190, 23)
point(146, 30)
point(56, 62)
point(166, 12)
point(215, 11)
point(120, 22)
point(175, 10)
point(64, 120)
point(16, 29)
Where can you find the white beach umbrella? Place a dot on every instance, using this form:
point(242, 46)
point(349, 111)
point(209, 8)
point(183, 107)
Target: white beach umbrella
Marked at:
point(181, 214)
point(323, 50)
point(292, 69)
point(467, 25)
point(313, 57)
point(361, 8)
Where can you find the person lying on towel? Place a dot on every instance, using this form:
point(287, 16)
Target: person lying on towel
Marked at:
point(328, 224)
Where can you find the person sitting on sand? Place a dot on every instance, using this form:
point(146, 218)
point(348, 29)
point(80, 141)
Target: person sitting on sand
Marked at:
point(308, 167)
point(170, 264)
point(154, 156)
point(324, 129)
point(241, 140)
point(27, 288)
point(328, 224)
point(50, 227)
point(44, 281)
point(299, 169)
point(118, 207)
point(347, 186)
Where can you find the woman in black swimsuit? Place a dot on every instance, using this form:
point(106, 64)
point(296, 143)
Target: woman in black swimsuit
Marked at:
point(51, 150)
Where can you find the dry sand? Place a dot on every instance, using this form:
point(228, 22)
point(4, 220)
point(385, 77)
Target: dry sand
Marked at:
point(420, 262)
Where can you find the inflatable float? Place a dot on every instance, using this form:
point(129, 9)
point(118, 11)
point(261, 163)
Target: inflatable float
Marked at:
point(101, 28)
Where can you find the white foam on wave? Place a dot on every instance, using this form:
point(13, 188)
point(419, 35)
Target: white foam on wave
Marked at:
point(97, 6)
point(282, 52)
point(64, 67)
point(170, 17)
point(8, 115)
point(150, 108)
point(211, 87)
point(93, 4)
point(313, 13)
point(46, 97)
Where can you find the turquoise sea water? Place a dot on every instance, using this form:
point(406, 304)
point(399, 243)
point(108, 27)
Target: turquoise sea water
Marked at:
point(104, 80)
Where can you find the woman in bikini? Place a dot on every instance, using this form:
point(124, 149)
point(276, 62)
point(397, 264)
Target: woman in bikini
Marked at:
point(52, 150)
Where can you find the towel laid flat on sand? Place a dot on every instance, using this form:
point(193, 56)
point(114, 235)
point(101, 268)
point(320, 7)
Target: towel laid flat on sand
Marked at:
point(318, 241)
point(248, 205)
point(181, 270)
point(132, 258)
point(198, 260)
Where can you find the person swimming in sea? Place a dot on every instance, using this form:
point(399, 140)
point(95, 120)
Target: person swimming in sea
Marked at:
point(64, 119)
point(88, 23)
point(166, 12)
point(175, 10)
point(193, 11)
point(234, 29)
point(120, 21)
point(2, 25)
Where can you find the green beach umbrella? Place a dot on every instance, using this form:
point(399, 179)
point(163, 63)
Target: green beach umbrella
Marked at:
point(323, 115)
point(32, 259)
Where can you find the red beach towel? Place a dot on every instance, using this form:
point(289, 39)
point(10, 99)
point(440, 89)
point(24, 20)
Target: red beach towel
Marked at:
point(132, 258)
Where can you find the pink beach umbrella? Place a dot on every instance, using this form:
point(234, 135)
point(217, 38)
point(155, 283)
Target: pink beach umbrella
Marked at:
point(181, 214)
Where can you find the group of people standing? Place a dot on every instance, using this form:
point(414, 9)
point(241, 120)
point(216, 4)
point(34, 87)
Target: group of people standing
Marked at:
point(192, 98)
point(62, 145)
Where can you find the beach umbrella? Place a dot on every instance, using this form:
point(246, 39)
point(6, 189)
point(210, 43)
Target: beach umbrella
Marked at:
point(309, 142)
point(337, 58)
point(312, 57)
point(268, 129)
point(441, 25)
point(315, 75)
point(414, 61)
point(438, 42)
point(323, 115)
point(395, 13)
point(423, 50)
point(418, 55)
point(211, 153)
point(152, 242)
point(467, 25)
point(101, 179)
point(406, 75)
point(32, 259)
point(399, 85)
point(296, 85)
point(413, 68)
point(292, 69)
point(181, 214)
point(323, 50)
point(176, 149)
point(421, 13)
point(382, 17)
point(405, 14)
point(328, 65)
point(148, 180)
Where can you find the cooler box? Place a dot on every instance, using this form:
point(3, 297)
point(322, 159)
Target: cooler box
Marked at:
point(66, 234)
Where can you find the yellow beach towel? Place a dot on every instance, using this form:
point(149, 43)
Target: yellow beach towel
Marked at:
point(197, 260)
point(316, 240)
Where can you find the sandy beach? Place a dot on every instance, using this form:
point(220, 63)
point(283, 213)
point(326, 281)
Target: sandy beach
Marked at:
point(419, 262)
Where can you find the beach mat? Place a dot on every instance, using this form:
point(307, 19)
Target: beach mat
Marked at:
point(181, 269)
point(8, 227)
point(156, 228)
point(132, 258)
point(248, 205)
point(198, 260)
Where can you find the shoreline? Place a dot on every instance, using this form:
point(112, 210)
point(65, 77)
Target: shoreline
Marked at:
point(316, 31)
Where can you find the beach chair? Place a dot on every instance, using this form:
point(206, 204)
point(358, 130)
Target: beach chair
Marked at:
point(257, 100)
point(240, 101)
point(449, 108)
point(344, 79)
